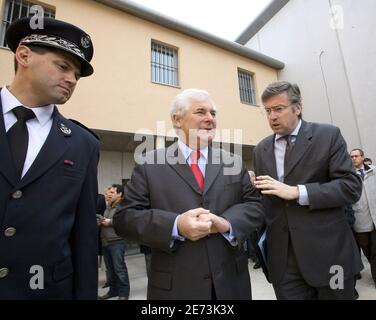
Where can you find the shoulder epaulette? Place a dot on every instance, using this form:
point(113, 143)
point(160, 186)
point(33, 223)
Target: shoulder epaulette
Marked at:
point(84, 127)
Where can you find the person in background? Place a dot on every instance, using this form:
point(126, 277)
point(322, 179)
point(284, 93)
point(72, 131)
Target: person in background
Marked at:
point(365, 210)
point(114, 248)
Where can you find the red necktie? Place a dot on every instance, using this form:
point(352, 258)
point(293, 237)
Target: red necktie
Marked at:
point(195, 155)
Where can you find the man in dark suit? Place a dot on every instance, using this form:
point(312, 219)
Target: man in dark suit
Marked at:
point(306, 178)
point(194, 208)
point(48, 169)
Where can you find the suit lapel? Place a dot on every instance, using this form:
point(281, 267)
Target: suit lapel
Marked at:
point(269, 157)
point(182, 167)
point(6, 161)
point(52, 150)
point(213, 167)
point(302, 143)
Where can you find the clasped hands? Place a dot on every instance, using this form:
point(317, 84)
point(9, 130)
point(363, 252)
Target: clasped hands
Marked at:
point(198, 223)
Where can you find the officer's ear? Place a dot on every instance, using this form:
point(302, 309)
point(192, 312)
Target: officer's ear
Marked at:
point(23, 56)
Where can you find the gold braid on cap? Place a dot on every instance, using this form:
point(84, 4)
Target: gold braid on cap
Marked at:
point(53, 41)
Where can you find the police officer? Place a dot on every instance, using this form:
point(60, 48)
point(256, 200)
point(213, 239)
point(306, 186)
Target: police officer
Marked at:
point(48, 168)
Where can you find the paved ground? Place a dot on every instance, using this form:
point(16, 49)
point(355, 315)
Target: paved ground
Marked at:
point(261, 289)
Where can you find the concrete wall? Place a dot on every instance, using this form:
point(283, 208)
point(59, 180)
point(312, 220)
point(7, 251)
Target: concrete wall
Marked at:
point(333, 66)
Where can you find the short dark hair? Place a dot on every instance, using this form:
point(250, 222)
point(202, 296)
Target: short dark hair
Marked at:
point(278, 87)
point(360, 151)
point(37, 49)
point(119, 188)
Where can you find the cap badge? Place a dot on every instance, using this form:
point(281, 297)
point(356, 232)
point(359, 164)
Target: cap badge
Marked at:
point(64, 129)
point(85, 41)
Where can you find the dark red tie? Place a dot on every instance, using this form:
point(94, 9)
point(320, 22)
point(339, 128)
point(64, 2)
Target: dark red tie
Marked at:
point(195, 155)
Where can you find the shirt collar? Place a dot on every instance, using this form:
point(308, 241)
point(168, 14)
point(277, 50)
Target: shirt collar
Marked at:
point(187, 150)
point(9, 101)
point(294, 133)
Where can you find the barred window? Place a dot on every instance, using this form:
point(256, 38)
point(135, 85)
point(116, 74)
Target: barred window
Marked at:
point(246, 87)
point(164, 64)
point(16, 9)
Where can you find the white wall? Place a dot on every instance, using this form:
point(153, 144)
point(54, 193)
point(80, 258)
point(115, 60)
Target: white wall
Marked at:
point(113, 167)
point(335, 68)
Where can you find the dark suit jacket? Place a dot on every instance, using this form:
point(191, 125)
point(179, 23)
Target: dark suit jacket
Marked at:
point(320, 233)
point(53, 211)
point(157, 194)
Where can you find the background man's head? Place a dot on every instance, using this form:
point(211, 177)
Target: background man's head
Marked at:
point(283, 106)
point(107, 196)
point(357, 157)
point(193, 115)
point(115, 194)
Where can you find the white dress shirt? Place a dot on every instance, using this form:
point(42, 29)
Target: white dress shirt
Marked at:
point(202, 161)
point(279, 152)
point(186, 151)
point(38, 127)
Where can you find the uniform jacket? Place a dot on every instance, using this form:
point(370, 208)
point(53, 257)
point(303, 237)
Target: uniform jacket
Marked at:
point(157, 193)
point(48, 218)
point(319, 233)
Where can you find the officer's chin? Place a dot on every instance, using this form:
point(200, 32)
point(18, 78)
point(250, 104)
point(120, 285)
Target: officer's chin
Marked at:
point(62, 99)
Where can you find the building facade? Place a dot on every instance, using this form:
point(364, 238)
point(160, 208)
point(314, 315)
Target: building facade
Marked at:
point(141, 61)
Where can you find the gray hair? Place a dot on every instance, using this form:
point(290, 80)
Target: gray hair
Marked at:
point(278, 87)
point(275, 88)
point(184, 100)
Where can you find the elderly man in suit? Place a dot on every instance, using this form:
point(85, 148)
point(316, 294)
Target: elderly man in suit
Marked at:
point(306, 178)
point(48, 169)
point(194, 208)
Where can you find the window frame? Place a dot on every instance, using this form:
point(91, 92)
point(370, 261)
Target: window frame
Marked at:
point(252, 95)
point(175, 68)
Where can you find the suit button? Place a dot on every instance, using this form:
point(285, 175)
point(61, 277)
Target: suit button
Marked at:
point(207, 277)
point(10, 232)
point(17, 194)
point(287, 204)
point(4, 272)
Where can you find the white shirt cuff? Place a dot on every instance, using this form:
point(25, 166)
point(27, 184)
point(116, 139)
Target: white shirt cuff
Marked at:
point(175, 233)
point(303, 195)
point(229, 236)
